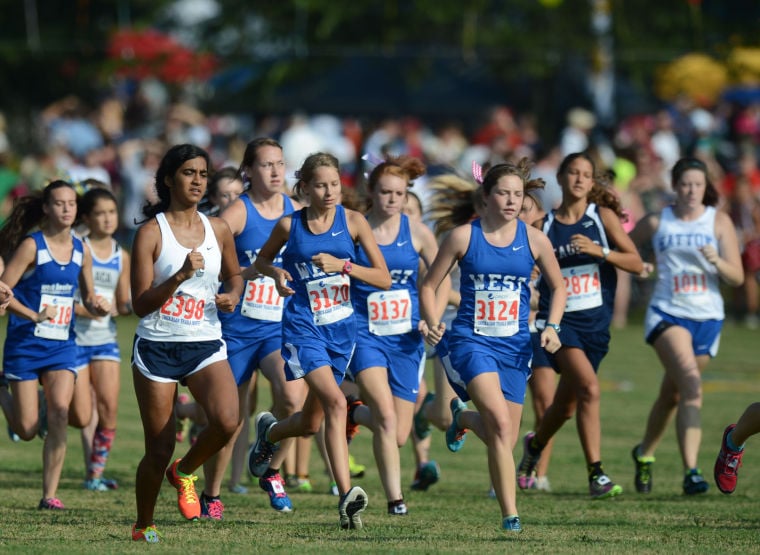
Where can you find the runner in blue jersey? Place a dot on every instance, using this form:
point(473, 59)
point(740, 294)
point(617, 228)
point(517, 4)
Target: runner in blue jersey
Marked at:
point(253, 332)
point(98, 355)
point(589, 241)
point(319, 326)
point(489, 348)
point(389, 359)
point(45, 270)
point(179, 258)
point(696, 248)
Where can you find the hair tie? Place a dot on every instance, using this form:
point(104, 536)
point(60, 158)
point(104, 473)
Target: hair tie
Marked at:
point(477, 172)
point(297, 174)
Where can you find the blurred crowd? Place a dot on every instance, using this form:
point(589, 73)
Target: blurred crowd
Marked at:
point(121, 140)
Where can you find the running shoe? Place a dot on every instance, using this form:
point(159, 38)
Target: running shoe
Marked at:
point(542, 484)
point(511, 524)
point(643, 476)
point(260, 453)
point(182, 424)
point(238, 488)
point(149, 534)
point(426, 475)
point(694, 483)
point(274, 485)
point(356, 469)
point(14, 437)
point(212, 508)
point(727, 464)
point(187, 498)
point(397, 508)
point(455, 435)
point(352, 428)
point(601, 487)
point(350, 507)
point(334, 489)
point(52, 503)
point(526, 470)
point(110, 483)
point(94, 484)
point(304, 485)
point(422, 427)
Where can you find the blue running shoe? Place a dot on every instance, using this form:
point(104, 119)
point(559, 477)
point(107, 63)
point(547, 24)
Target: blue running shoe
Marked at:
point(212, 508)
point(455, 435)
point(14, 437)
point(260, 453)
point(426, 475)
point(694, 483)
point(274, 485)
point(511, 524)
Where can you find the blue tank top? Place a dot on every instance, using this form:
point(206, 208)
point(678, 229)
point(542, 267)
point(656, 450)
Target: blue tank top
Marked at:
point(321, 306)
point(49, 282)
point(260, 305)
point(590, 281)
point(388, 315)
point(495, 290)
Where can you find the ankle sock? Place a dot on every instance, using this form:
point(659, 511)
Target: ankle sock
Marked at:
point(730, 442)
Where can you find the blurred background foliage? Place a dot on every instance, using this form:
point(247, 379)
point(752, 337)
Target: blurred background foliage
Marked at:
point(429, 57)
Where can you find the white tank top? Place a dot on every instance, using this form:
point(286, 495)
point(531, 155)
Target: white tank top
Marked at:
point(688, 286)
point(105, 279)
point(190, 313)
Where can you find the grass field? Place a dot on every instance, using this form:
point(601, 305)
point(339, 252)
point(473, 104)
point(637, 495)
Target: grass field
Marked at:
point(455, 515)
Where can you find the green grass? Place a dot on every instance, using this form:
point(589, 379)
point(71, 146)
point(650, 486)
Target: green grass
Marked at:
point(455, 515)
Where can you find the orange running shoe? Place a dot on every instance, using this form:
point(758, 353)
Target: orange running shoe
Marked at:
point(187, 498)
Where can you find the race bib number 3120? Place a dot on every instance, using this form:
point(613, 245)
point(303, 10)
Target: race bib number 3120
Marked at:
point(330, 299)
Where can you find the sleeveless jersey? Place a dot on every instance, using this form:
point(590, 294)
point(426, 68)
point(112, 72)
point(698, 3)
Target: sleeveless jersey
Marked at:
point(260, 304)
point(105, 278)
point(387, 316)
point(190, 313)
point(50, 282)
point(688, 286)
point(494, 286)
point(590, 282)
point(321, 306)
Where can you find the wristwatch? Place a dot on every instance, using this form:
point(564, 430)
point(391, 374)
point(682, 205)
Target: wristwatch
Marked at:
point(555, 327)
point(605, 253)
point(347, 267)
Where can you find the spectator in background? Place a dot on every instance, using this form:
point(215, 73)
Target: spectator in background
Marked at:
point(744, 210)
point(575, 135)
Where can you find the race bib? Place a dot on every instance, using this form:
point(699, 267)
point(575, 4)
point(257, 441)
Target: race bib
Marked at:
point(584, 288)
point(690, 288)
point(181, 314)
point(330, 299)
point(58, 327)
point(261, 300)
point(390, 312)
point(497, 313)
